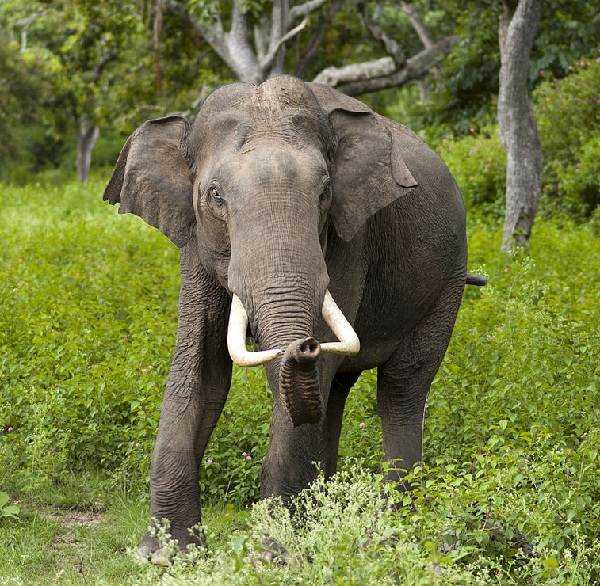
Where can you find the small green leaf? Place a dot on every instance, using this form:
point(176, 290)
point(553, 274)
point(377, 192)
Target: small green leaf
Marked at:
point(10, 511)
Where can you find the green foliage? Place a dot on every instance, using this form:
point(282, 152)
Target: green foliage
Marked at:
point(509, 490)
point(568, 117)
point(98, 62)
point(568, 113)
point(478, 164)
point(462, 96)
point(459, 525)
point(30, 113)
point(579, 184)
point(6, 509)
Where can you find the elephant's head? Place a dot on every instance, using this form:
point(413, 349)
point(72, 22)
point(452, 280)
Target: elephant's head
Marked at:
point(258, 179)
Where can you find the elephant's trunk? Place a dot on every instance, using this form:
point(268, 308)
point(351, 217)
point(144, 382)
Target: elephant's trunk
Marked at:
point(278, 277)
point(298, 374)
point(299, 381)
point(285, 311)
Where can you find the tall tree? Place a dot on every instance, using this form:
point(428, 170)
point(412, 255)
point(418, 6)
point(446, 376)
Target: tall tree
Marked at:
point(518, 128)
point(84, 39)
point(262, 56)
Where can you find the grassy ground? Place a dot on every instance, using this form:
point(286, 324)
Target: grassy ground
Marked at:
point(67, 539)
point(510, 491)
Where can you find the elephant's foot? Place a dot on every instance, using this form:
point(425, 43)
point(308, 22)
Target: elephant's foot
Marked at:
point(152, 550)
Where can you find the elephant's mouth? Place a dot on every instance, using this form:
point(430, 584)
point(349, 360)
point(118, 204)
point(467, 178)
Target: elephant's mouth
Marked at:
point(298, 377)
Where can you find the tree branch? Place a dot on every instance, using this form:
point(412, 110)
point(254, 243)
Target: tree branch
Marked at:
point(415, 20)
point(317, 38)
point(415, 68)
point(417, 24)
point(391, 47)
point(99, 68)
point(212, 33)
point(269, 58)
point(303, 10)
point(279, 26)
point(260, 37)
point(334, 76)
point(239, 26)
point(242, 58)
point(233, 47)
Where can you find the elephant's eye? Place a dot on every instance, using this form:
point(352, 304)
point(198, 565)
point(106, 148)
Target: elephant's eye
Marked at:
point(215, 196)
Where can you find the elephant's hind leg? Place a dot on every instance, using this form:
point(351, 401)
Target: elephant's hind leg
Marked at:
point(404, 380)
point(196, 390)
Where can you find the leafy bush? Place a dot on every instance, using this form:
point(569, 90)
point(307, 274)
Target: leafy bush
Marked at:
point(568, 112)
point(578, 184)
point(478, 164)
point(458, 525)
point(568, 116)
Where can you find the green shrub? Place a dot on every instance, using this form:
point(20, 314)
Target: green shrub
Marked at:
point(568, 116)
point(578, 184)
point(470, 524)
point(568, 112)
point(478, 164)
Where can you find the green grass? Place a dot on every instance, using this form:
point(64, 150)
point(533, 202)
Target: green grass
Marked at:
point(510, 488)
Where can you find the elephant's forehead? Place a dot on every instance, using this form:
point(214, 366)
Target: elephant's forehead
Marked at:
point(282, 93)
point(274, 98)
point(281, 108)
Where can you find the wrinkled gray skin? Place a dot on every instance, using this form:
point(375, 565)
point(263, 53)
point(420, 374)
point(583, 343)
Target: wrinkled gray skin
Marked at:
point(277, 193)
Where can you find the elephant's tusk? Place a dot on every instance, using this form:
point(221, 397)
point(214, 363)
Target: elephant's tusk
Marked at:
point(336, 320)
point(236, 338)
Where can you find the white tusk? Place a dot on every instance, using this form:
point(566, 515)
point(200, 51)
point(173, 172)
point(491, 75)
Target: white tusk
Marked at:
point(336, 320)
point(236, 338)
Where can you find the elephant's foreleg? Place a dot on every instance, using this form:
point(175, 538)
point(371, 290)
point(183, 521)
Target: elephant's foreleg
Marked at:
point(404, 380)
point(195, 394)
point(340, 388)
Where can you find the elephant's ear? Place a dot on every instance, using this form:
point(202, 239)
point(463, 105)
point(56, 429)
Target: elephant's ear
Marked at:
point(369, 171)
point(153, 179)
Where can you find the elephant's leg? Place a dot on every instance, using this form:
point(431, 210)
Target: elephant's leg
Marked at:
point(294, 456)
point(404, 380)
point(195, 394)
point(340, 388)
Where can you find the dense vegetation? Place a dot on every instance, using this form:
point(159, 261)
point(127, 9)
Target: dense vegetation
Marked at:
point(568, 116)
point(48, 82)
point(510, 487)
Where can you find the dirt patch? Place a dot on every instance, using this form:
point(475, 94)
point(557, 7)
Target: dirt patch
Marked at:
point(65, 540)
point(73, 518)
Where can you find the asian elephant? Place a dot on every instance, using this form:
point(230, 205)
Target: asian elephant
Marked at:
point(330, 235)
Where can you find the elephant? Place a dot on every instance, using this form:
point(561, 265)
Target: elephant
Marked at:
point(332, 238)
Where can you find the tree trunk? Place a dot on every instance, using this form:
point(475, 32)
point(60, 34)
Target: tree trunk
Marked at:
point(87, 136)
point(518, 128)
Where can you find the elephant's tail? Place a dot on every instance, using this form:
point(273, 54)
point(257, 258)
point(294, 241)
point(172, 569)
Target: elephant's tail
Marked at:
point(476, 280)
